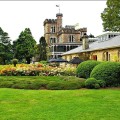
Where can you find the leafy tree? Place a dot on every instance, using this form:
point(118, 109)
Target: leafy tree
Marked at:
point(42, 49)
point(25, 46)
point(111, 16)
point(91, 36)
point(5, 47)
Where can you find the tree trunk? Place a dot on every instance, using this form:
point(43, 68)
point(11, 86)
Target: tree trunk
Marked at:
point(28, 60)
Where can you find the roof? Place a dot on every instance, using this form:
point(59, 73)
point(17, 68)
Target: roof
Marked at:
point(76, 60)
point(108, 32)
point(111, 43)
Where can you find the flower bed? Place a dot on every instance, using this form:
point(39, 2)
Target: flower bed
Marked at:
point(35, 70)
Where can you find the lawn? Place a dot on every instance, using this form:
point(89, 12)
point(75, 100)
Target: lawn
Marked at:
point(83, 104)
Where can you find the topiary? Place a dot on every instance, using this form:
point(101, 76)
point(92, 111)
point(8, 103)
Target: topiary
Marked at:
point(91, 83)
point(84, 69)
point(107, 71)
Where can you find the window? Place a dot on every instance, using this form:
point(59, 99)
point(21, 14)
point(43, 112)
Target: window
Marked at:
point(53, 29)
point(71, 38)
point(94, 57)
point(53, 40)
point(106, 56)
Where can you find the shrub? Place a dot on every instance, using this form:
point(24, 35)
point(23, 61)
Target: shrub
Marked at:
point(52, 83)
point(84, 69)
point(91, 83)
point(101, 83)
point(43, 62)
point(71, 85)
point(15, 61)
point(107, 71)
point(54, 86)
point(6, 84)
point(97, 86)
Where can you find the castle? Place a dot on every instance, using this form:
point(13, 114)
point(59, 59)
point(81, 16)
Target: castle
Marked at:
point(61, 39)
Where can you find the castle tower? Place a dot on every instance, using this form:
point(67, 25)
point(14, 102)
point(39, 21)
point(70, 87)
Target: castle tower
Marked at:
point(59, 21)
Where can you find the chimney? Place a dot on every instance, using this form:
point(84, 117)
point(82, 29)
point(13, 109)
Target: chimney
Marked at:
point(85, 44)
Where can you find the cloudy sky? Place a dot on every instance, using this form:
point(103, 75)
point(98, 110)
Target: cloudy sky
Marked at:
point(15, 16)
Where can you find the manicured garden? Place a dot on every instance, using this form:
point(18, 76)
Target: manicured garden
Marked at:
point(84, 104)
point(42, 82)
point(43, 92)
point(90, 74)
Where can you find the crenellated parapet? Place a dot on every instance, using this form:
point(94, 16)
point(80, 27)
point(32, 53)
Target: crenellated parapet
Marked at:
point(50, 21)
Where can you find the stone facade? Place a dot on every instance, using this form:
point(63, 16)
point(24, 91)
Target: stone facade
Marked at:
point(61, 39)
point(102, 50)
point(112, 54)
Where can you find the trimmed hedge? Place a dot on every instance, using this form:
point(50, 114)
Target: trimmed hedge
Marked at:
point(84, 69)
point(93, 83)
point(49, 83)
point(107, 71)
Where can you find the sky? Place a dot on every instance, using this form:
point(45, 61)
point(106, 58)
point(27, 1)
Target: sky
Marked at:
point(15, 16)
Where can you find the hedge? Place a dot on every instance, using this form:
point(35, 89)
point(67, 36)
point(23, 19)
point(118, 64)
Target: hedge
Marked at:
point(107, 71)
point(84, 69)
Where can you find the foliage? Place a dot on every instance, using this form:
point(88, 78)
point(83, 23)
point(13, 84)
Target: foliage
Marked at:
point(43, 62)
point(91, 36)
point(35, 70)
point(111, 16)
point(15, 61)
point(52, 82)
point(101, 83)
point(107, 71)
point(42, 52)
point(5, 47)
point(91, 83)
point(84, 69)
point(25, 46)
point(55, 86)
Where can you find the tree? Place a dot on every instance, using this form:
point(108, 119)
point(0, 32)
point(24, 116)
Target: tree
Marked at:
point(5, 47)
point(111, 16)
point(42, 49)
point(91, 36)
point(25, 46)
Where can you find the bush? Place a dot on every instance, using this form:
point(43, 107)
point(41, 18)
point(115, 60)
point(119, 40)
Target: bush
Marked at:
point(97, 86)
point(55, 86)
point(71, 85)
point(15, 61)
point(91, 83)
point(101, 83)
point(50, 83)
point(107, 71)
point(84, 69)
point(43, 62)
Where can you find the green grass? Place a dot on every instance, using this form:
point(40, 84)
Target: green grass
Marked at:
point(81, 104)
